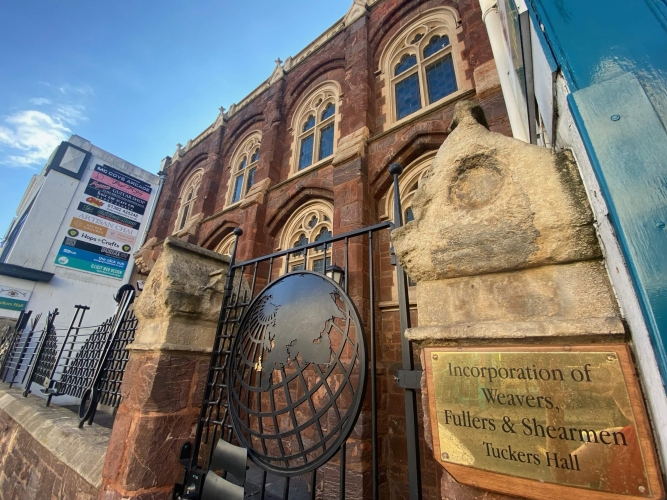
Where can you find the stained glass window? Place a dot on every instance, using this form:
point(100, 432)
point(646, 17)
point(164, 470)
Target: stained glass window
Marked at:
point(408, 97)
point(326, 141)
point(303, 240)
point(417, 37)
point(243, 164)
point(312, 222)
point(321, 265)
point(406, 62)
point(238, 189)
point(255, 156)
point(329, 111)
point(251, 179)
point(310, 123)
point(306, 154)
point(184, 219)
point(436, 44)
point(441, 78)
point(324, 234)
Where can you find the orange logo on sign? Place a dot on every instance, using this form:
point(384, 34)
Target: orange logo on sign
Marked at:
point(89, 227)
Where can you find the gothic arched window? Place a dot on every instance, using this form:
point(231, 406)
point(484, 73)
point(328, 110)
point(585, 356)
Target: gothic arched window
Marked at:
point(226, 246)
point(244, 166)
point(419, 63)
point(309, 224)
point(315, 127)
point(188, 197)
point(407, 187)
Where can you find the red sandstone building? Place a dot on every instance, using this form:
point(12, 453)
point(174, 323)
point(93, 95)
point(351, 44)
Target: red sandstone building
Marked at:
point(306, 155)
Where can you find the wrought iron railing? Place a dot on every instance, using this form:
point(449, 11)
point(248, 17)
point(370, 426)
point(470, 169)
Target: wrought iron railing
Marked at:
point(83, 362)
point(240, 408)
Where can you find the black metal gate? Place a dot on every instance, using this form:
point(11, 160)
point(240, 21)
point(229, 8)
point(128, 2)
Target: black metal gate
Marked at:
point(289, 370)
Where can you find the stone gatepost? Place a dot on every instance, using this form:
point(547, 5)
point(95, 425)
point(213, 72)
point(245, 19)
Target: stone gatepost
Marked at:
point(166, 374)
point(504, 251)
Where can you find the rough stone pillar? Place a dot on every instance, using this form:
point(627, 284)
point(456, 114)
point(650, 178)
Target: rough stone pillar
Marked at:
point(504, 251)
point(164, 382)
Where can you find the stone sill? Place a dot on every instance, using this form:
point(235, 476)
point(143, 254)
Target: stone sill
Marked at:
point(57, 430)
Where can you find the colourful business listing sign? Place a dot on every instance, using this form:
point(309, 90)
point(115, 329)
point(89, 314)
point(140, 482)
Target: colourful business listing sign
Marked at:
point(14, 299)
point(105, 227)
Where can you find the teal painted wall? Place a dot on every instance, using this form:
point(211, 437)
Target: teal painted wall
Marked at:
point(613, 55)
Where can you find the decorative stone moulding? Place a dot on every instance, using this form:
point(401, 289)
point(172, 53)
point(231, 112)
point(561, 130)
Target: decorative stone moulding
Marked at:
point(191, 226)
point(143, 258)
point(256, 193)
point(352, 146)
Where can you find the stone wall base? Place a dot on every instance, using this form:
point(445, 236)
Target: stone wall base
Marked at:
point(43, 453)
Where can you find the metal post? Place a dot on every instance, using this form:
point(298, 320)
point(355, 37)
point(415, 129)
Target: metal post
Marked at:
point(411, 425)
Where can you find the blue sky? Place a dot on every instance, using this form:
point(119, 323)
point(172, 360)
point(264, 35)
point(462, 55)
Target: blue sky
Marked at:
point(134, 77)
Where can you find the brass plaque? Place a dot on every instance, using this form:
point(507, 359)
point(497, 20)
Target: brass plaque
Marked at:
point(556, 417)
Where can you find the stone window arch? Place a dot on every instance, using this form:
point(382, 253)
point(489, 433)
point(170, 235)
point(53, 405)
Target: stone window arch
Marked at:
point(243, 168)
point(187, 199)
point(408, 184)
point(315, 127)
point(309, 223)
point(226, 245)
point(422, 64)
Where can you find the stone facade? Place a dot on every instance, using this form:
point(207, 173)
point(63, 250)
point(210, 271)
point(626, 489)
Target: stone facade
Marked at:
point(354, 180)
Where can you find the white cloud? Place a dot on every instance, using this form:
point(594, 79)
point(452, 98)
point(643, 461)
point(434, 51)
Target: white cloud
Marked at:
point(84, 89)
point(29, 136)
point(33, 135)
point(39, 101)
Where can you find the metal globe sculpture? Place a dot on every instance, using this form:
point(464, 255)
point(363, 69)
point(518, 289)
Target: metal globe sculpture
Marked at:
point(297, 373)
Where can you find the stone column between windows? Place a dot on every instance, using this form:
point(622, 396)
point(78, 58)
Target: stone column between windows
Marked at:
point(163, 386)
point(255, 240)
point(353, 210)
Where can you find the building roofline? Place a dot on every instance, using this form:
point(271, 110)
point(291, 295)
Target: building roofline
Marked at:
point(358, 9)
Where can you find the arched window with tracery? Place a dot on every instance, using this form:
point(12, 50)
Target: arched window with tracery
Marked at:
point(420, 63)
point(188, 198)
point(315, 127)
point(244, 166)
point(408, 184)
point(310, 223)
point(226, 245)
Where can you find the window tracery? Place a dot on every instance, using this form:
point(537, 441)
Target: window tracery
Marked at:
point(408, 184)
point(420, 63)
point(310, 223)
point(315, 126)
point(244, 166)
point(226, 246)
point(188, 197)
